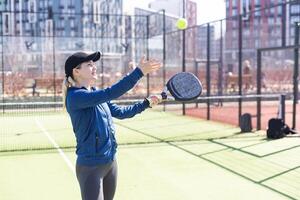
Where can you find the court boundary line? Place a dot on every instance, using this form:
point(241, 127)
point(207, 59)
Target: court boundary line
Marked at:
point(57, 147)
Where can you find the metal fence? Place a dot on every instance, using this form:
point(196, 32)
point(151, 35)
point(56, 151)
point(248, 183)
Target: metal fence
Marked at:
point(223, 54)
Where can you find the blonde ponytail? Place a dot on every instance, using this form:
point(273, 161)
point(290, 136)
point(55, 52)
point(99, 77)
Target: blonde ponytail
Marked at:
point(68, 82)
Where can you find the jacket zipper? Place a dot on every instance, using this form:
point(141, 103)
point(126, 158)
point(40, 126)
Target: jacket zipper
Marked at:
point(111, 134)
point(97, 136)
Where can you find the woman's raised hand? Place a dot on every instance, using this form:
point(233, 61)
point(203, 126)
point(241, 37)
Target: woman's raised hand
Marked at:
point(148, 66)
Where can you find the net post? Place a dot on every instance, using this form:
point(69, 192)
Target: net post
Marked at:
point(281, 113)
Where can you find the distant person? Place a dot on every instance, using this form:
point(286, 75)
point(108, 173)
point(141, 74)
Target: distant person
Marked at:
point(91, 112)
point(229, 68)
point(247, 71)
point(34, 89)
point(247, 67)
point(263, 80)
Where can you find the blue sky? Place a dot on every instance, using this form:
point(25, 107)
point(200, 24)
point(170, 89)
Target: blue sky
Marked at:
point(208, 10)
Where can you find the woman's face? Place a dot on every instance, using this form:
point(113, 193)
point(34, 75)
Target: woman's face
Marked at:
point(86, 71)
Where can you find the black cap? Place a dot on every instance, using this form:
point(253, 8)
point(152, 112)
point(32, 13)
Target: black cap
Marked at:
point(78, 58)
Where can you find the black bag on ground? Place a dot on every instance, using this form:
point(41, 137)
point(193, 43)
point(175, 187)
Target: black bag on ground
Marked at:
point(246, 123)
point(277, 129)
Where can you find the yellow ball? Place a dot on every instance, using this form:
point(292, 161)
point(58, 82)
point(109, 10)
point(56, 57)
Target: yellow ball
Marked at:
point(181, 23)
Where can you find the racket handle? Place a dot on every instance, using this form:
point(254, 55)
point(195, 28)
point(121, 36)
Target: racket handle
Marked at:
point(164, 95)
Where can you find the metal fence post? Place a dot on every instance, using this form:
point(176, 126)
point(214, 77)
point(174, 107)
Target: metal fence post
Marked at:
point(208, 71)
point(240, 66)
point(296, 73)
point(258, 100)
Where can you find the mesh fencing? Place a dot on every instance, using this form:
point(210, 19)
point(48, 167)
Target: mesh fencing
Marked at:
point(33, 126)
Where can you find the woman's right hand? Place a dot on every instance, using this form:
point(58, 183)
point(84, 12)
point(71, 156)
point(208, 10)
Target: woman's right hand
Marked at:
point(154, 100)
point(148, 66)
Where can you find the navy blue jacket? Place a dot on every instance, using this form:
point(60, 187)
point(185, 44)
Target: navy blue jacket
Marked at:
point(91, 114)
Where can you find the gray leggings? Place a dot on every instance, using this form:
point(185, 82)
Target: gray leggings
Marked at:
point(97, 182)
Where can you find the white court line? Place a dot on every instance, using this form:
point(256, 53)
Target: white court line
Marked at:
point(60, 151)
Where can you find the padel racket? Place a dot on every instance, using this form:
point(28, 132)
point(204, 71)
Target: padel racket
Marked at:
point(183, 86)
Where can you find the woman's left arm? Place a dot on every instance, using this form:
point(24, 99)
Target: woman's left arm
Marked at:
point(122, 112)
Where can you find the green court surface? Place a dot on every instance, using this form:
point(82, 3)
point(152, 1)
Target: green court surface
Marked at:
point(161, 156)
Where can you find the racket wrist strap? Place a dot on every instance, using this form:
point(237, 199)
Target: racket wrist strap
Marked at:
point(149, 101)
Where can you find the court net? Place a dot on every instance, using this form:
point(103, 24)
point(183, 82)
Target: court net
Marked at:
point(33, 126)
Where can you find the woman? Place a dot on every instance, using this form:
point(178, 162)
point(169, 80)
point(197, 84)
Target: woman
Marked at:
point(91, 114)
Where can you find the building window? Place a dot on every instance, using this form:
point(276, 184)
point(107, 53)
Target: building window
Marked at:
point(245, 5)
point(32, 11)
point(279, 42)
point(271, 20)
point(279, 10)
point(97, 12)
point(49, 27)
point(7, 4)
point(6, 24)
point(294, 19)
point(295, 9)
point(257, 13)
point(234, 12)
point(234, 34)
point(292, 31)
point(234, 3)
point(72, 3)
point(246, 32)
point(256, 43)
